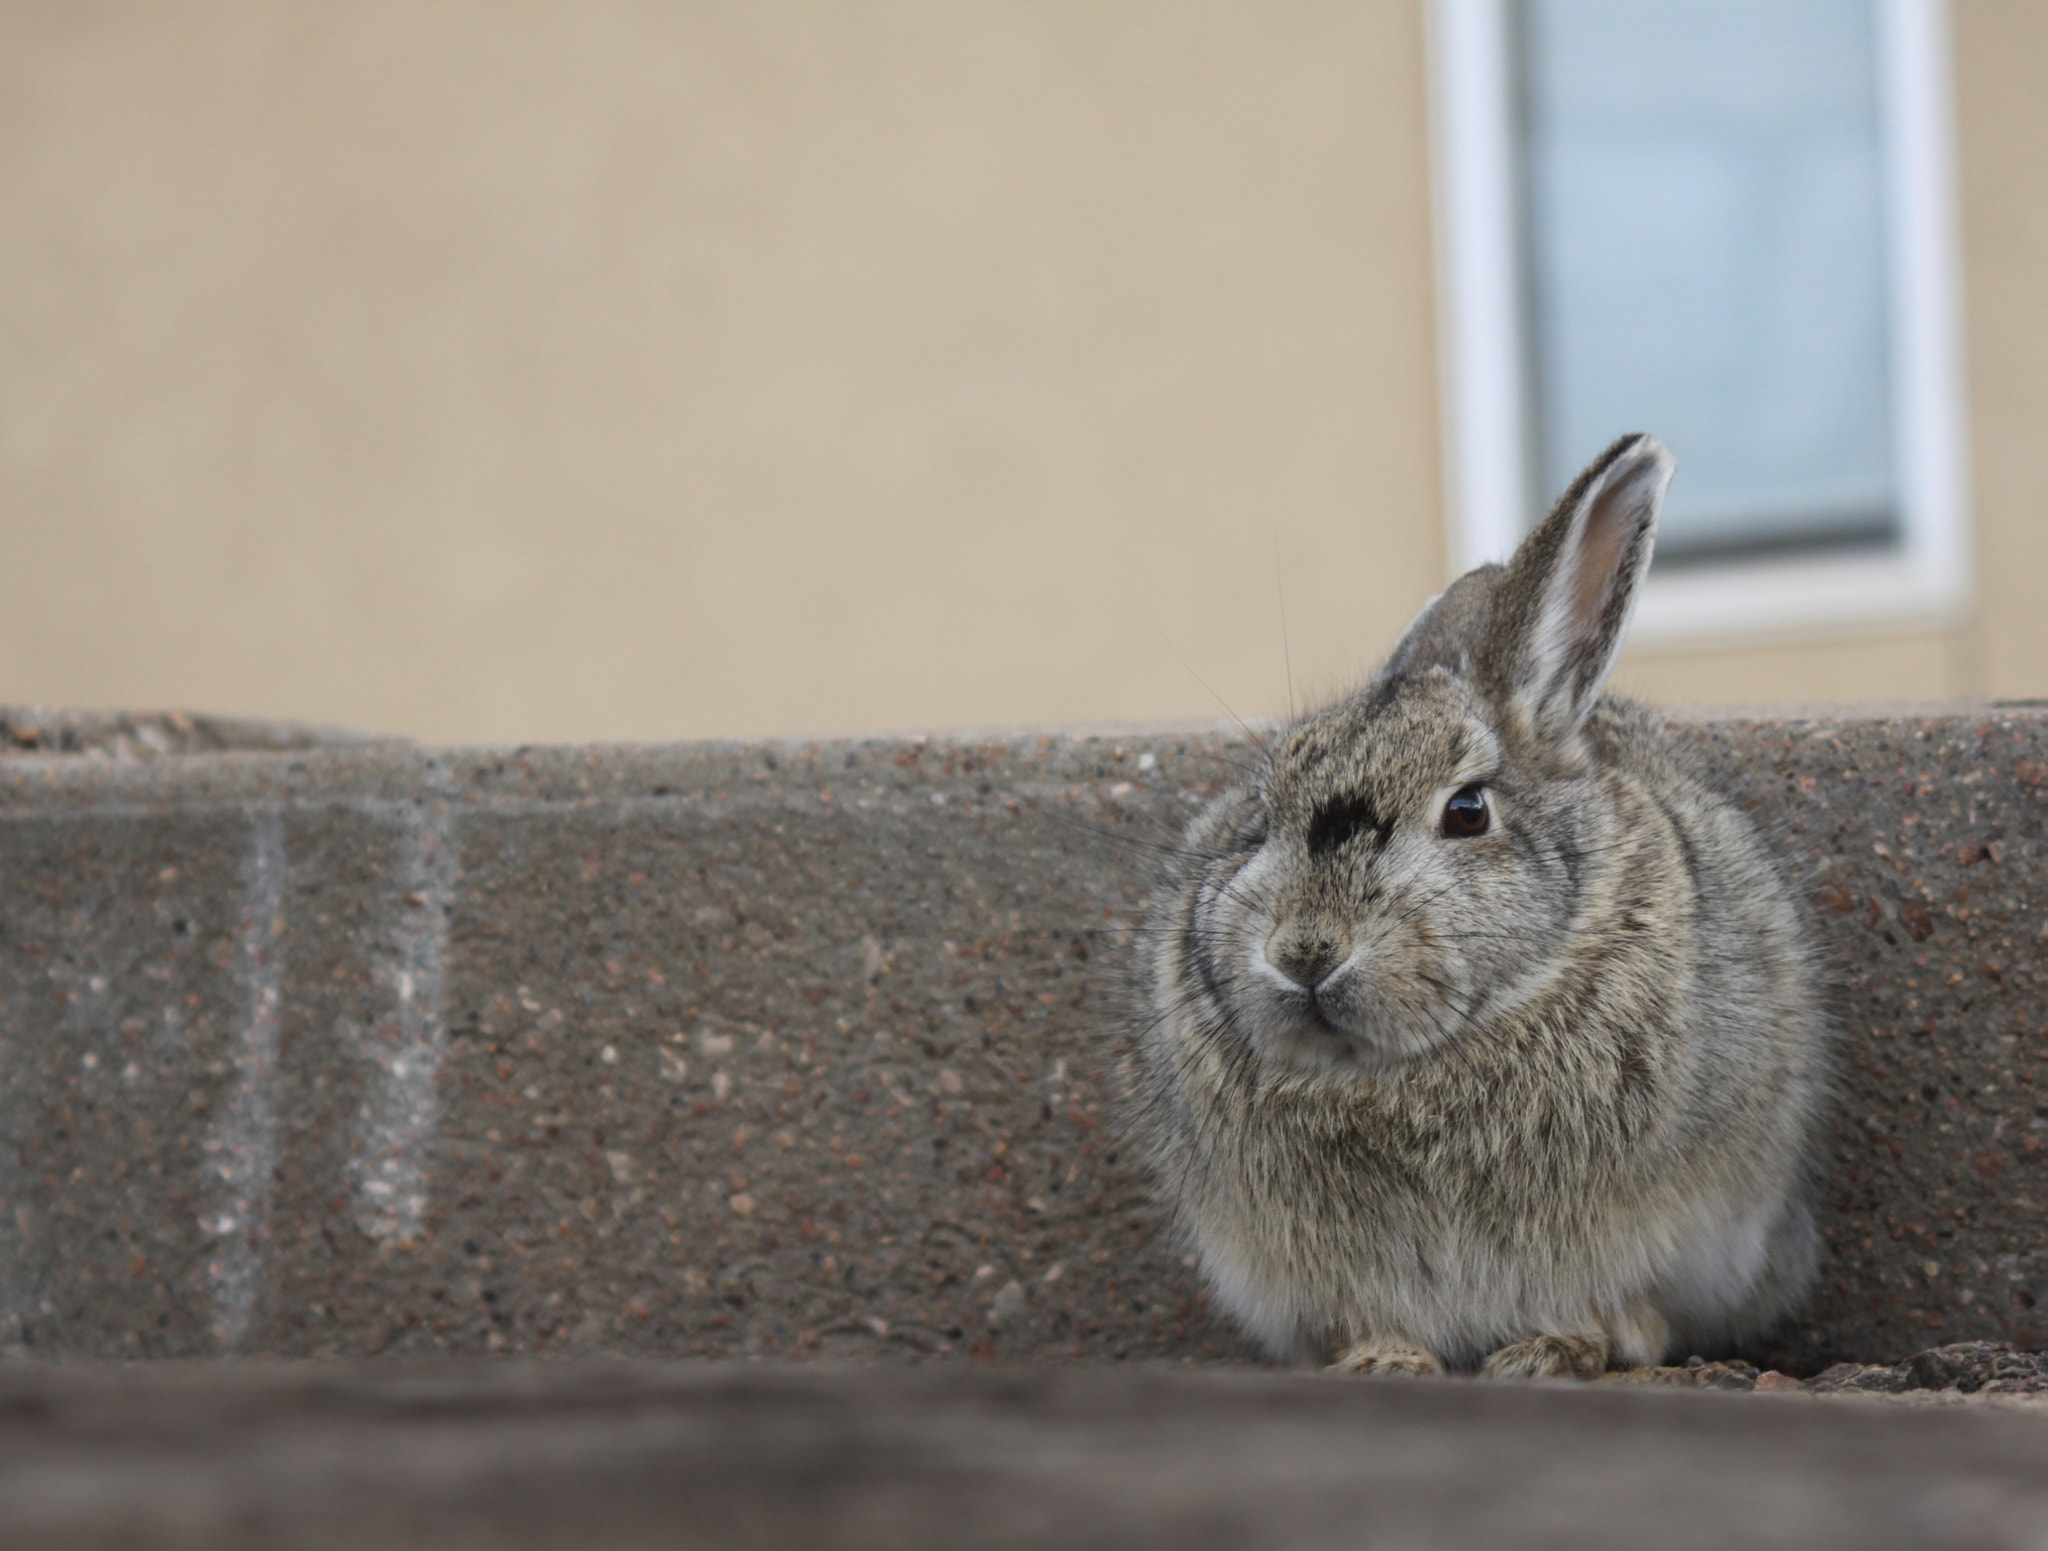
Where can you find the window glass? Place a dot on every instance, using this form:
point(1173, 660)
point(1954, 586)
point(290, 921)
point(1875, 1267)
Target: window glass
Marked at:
point(1707, 260)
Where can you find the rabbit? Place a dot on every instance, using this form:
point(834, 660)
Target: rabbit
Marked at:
point(1473, 1029)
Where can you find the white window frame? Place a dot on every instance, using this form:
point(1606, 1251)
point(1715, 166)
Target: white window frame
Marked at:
point(1924, 579)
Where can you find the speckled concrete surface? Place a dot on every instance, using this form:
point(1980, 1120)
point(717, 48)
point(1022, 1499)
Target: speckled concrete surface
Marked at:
point(1920, 841)
point(803, 1048)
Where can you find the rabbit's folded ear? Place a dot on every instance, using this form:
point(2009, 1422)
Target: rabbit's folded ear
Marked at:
point(1564, 599)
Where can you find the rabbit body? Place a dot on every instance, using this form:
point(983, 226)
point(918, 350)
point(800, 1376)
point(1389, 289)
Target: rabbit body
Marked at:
point(1478, 1029)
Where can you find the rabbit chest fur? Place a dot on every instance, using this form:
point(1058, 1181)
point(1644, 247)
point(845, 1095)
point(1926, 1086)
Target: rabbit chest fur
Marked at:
point(1475, 1028)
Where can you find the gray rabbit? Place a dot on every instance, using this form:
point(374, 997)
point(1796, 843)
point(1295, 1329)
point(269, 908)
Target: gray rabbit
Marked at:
point(1474, 1029)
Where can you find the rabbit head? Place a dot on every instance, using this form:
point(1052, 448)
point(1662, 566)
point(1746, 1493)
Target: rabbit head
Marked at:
point(1407, 862)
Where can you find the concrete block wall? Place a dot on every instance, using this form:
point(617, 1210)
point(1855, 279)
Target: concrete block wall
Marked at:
point(804, 1048)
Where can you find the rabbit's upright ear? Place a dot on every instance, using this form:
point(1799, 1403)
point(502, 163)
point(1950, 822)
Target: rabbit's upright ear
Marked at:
point(1564, 600)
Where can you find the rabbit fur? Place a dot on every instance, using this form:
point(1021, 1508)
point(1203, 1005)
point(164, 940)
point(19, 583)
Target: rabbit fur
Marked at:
point(1535, 1099)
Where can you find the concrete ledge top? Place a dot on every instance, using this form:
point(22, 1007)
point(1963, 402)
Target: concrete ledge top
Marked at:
point(129, 735)
point(248, 760)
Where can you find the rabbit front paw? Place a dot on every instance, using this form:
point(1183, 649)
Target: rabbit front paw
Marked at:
point(1549, 1357)
point(1372, 1355)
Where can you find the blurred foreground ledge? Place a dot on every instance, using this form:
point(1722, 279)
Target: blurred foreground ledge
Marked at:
point(599, 1455)
point(319, 1047)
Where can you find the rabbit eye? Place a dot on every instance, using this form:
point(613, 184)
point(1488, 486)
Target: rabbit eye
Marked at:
point(1465, 814)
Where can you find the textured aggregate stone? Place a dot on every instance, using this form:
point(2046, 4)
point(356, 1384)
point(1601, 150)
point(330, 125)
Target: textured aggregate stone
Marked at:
point(804, 1048)
point(1920, 842)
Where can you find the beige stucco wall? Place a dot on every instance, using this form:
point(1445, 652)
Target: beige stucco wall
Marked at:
point(478, 369)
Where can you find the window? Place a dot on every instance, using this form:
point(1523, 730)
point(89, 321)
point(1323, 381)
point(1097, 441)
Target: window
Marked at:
point(1724, 221)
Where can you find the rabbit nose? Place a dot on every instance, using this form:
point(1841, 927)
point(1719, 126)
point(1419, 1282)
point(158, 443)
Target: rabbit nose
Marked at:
point(1305, 957)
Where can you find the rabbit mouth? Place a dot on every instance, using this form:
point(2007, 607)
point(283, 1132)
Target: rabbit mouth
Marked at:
point(1337, 1036)
point(1314, 1036)
point(1311, 1043)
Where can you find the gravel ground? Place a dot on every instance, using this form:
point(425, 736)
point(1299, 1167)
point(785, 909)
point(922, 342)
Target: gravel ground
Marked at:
point(1966, 1370)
